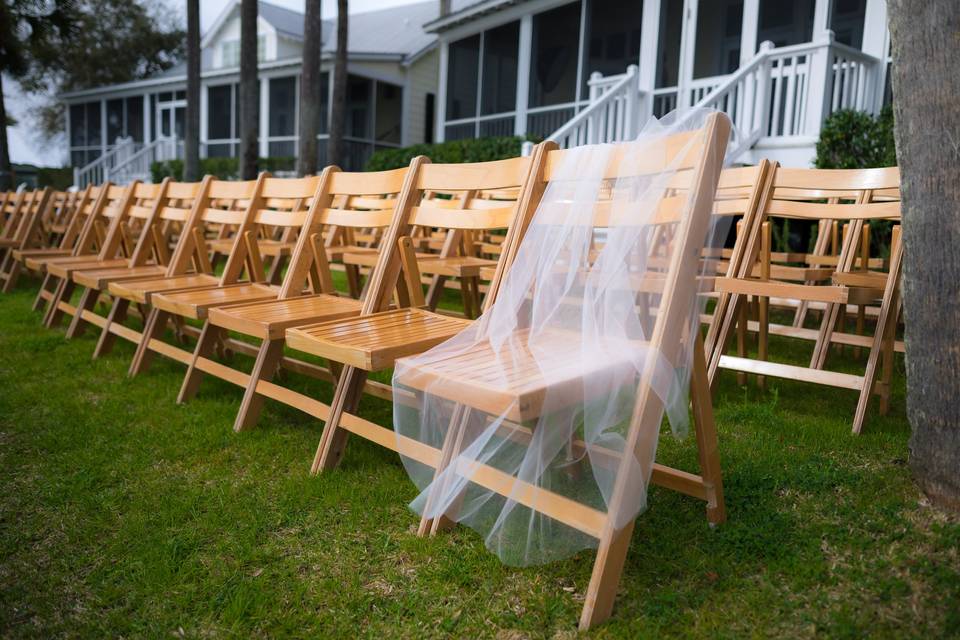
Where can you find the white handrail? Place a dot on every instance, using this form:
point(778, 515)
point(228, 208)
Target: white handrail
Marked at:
point(137, 165)
point(97, 171)
point(612, 116)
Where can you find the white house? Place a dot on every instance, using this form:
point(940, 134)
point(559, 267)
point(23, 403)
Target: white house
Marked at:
point(594, 70)
point(575, 71)
point(118, 130)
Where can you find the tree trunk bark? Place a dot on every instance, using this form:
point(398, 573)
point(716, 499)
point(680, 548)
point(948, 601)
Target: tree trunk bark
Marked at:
point(249, 91)
point(310, 89)
point(191, 143)
point(6, 169)
point(925, 37)
point(338, 107)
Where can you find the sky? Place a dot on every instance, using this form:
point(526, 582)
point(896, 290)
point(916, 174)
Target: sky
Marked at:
point(26, 147)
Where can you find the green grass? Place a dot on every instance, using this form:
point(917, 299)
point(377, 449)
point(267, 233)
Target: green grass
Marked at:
point(124, 514)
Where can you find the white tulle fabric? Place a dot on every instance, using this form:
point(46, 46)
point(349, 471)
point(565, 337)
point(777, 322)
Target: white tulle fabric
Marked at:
point(569, 320)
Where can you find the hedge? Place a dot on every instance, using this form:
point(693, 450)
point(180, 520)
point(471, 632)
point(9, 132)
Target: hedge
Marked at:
point(856, 140)
point(222, 168)
point(468, 150)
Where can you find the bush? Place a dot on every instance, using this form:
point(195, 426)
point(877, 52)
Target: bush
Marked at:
point(468, 150)
point(55, 178)
point(856, 140)
point(222, 168)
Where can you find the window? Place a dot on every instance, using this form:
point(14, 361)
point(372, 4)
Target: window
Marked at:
point(463, 68)
point(261, 48)
point(613, 37)
point(93, 124)
point(114, 121)
point(389, 108)
point(553, 61)
point(847, 21)
point(230, 54)
point(324, 102)
point(133, 109)
point(668, 48)
point(719, 25)
point(283, 106)
point(498, 92)
point(78, 127)
point(86, 126)
point(358, 106)
point(785, 23)
point(219, 112)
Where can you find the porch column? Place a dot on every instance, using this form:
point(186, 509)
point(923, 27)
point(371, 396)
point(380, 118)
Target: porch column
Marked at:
point(264, 117)
point(876, 42)
point(103, 127)
point(688, 44)
point(146, 119)
point(647, 71)
point(523, 74)
point(749, 30)
point(441, 105)
point(821, 16)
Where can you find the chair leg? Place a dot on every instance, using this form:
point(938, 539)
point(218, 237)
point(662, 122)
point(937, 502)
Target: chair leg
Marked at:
point(54, 312)
point(40, 301)
point(206, 345)
point(265, 367)
point(118, 313)
point(12, 273)
point(607, 568)
point(333, 441)
point(88, 301)
point(708, 449)
point(743, 317)
point(763, 338)
point(452, 444)
point(155, 324)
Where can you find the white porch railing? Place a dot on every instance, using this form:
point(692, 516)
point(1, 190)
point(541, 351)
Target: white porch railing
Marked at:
point(613, 114)
point(96, 172)
point(780, 93)
point(136, 166)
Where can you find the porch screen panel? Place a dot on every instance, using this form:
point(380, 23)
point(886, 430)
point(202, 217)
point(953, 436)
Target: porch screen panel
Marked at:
point(668, 46)
point(463, 67)
point(553, 60)
point(283, 121)
point(847, 21)
point(389, 111)
point(498, 93)
point(93, 126)
point(78, 125)
point(613, 37)
point(219, 121)
point(324, 102)
point(785, 23)
point(133, 117)
point(359, 94)
point(114, 121)
point(719, 24)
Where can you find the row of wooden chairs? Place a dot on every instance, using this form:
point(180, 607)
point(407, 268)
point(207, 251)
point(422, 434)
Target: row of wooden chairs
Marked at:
point(152, 248)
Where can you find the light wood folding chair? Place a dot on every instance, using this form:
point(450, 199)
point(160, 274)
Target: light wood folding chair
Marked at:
point(160, 208)
point(864, 195)
point(216, 203)
point(368, 202)
point(275, 202)
point(462, 382)
point(25, 231)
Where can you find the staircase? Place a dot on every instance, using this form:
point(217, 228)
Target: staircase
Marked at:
point(127, 161)
point(777, 101)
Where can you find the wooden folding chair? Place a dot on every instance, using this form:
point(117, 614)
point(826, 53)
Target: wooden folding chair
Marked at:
point(275, 202)
point(368, 201)
point(115, 245)
point(160, 208)
point(460, 379)
point(25, 231)
point(864, 195)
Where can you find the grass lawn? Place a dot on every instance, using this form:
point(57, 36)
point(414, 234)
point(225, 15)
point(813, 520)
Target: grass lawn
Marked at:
point(124, 514)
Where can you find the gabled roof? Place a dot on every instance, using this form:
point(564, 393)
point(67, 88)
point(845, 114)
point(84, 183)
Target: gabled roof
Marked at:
point(286, 21)
point(397, 30)
point(466, 10)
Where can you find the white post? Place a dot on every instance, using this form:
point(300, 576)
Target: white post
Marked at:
point(688, 43)
point(204, 120)
point(761, 105)
point(822, 10)
point(264, 144)
point(647, 71)
point(593, 124)
point(821, 83)
point(146, 119)
point(631, 114)
point(441, 104)
point(523, 74)
point(749, 30)
point(103, 127)
point(876, 42)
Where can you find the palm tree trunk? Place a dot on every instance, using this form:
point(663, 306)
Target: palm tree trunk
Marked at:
point(191, 143)
point(6, 169)
point(249, 91)
point(927, 130)
point(338, 108)
point(310, 93)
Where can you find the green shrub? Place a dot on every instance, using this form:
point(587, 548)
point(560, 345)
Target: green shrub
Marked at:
point(222, 168)
point(856, 140)
point(468, 150)
point(59, 178)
